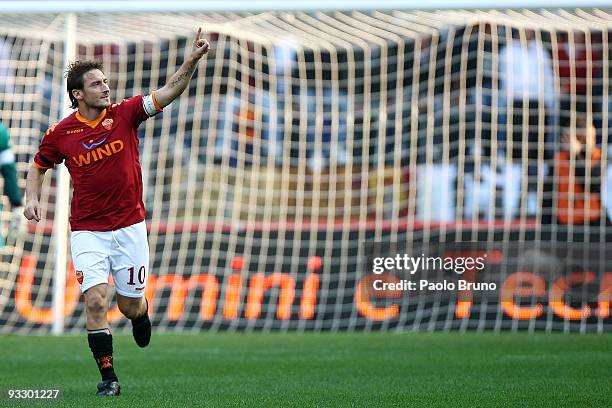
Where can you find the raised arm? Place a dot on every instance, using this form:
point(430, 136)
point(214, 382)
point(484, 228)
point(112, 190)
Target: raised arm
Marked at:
point(34, 183)
point(178, 82)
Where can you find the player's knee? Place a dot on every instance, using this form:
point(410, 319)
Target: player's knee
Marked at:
point(129, 310)
point(96, 304)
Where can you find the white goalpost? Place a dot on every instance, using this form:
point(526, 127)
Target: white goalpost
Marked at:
point(313, 139)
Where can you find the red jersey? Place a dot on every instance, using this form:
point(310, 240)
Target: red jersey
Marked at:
point(103, 160)
point(580, 64)
point(574, 205)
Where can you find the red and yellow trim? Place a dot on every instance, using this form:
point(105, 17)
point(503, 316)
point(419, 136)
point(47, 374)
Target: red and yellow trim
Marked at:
point(91, 123)
point(39, 167)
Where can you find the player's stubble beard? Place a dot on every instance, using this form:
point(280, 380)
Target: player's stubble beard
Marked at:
point(99, 103)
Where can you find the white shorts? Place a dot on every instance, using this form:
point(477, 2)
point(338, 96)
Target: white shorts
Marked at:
point(123, 252)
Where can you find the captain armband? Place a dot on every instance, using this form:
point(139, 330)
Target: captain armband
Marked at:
point(150, 105)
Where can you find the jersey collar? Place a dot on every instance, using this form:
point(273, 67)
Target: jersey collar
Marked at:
point(91, 123)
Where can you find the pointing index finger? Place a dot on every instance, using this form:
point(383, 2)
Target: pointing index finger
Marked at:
point(198, 34)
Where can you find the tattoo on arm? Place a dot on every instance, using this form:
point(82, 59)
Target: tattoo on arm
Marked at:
point(187, 74)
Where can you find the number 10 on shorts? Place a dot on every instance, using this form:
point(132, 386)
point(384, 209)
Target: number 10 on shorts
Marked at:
point(142, 275)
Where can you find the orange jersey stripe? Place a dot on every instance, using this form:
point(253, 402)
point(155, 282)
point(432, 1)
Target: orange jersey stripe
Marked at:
point(91, 123)
point(157, 107)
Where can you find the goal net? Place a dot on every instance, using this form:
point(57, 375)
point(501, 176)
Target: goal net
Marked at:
point(314, 155)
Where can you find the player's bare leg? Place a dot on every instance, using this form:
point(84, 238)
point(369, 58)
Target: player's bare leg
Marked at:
point(100, 339)
point(96, 303)
point(137, 310)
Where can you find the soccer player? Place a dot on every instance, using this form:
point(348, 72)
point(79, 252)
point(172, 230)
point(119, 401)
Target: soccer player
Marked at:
point(99, 145)
point(578, 169)
point(11, 188)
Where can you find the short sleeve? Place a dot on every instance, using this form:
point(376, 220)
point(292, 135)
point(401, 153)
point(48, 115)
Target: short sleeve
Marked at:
point(48, 153)
point(139, 108)
point(4, 138)
point(6, 154)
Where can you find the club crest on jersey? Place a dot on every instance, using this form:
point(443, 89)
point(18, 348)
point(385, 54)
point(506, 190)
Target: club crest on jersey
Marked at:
point(107, 123)
point(79, 277)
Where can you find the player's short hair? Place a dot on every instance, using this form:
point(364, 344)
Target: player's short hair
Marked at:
point(74, 77)
point(582, 121)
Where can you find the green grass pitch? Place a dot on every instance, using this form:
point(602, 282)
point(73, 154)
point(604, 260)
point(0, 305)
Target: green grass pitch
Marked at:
point(321, 370)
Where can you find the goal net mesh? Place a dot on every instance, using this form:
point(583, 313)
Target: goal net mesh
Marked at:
point(309, 145)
